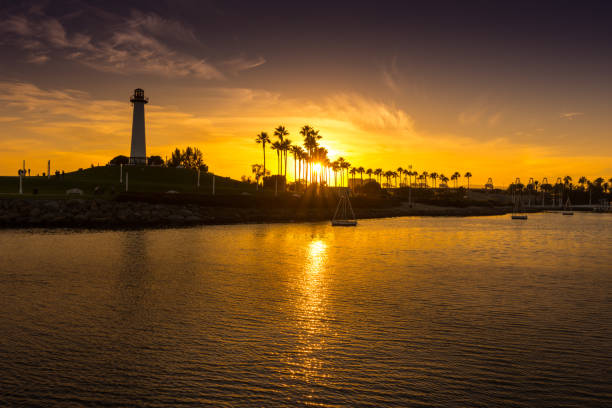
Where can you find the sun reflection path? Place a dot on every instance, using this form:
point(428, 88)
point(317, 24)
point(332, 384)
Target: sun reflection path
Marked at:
point(311, 313)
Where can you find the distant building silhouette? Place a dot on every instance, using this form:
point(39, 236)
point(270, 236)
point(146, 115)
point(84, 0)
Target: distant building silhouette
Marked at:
point(138, 152)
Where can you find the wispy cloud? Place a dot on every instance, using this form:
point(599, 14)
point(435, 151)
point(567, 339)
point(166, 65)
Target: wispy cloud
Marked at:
point(235, 65)
point(41, 124)
point(141, 43)
point(368, 114)
point(38, 58)
point(160, 27)
point(494, 119)
point(480, 112)
point(390, 75)
point(570, 115)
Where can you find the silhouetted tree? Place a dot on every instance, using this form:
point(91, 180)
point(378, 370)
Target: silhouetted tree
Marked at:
point(117, 160)
point(190, 158)
point(467, 176)
point(369, 173)
point(258, 172)
point(176, 158)
point(263, 138)
point(155, 161)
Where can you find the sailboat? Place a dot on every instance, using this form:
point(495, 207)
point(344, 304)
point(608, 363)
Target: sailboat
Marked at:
point(344, 215)
point(567, 208)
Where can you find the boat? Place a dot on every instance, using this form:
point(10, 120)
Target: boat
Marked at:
point(567, 208)
point(344, 215)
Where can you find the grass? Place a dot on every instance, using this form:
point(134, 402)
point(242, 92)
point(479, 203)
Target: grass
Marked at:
point(141, 179)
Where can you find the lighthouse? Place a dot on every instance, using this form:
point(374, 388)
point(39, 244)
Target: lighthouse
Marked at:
point(138, 152)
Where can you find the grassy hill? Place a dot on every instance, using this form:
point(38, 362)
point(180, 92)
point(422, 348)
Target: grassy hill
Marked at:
point(141, 179)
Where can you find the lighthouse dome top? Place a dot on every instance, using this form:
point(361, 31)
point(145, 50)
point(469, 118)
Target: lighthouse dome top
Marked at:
point(139, 96)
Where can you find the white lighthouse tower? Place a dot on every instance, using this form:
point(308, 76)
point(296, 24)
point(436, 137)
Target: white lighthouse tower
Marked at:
point(138, 153)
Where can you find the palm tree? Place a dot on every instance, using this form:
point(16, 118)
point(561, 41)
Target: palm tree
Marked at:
point(388, 175)
point(280, 132)
point(285, 147)
point(413, 173)
point(400, 170)
point(311, 138)
point(353, 171)
point(582, 181)
point(369, 173)
point(303, 157)
point(346, 165)
point(456, 176)
point(320, 156)
point(378, 172)
point(406, 173)
point(425, 175)
point(434, 177)
point(295, 150)
point(340, 161)
point(335, 167)
point(394, 174)
point(467, 176)
point(361, 170)
point(444, 179)
point(597, 183)
point(257, 170)
point(277, 146)
point(263, 138)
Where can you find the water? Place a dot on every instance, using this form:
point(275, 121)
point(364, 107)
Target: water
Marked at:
point(396, 312)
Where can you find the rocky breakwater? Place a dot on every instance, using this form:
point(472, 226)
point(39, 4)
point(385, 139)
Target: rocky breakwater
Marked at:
point(23, 213)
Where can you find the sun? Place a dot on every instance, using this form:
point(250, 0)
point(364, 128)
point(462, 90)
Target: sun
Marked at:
point(317, 168)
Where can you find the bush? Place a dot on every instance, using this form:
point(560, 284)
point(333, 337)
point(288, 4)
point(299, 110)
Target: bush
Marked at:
point(117, 160)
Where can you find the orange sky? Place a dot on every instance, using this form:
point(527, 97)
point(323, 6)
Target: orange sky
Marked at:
point(535, 104)
point(74, 130)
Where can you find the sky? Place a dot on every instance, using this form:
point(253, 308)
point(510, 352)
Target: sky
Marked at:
point(500, 89)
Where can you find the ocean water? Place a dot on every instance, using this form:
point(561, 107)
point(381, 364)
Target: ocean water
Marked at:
point(447, 312)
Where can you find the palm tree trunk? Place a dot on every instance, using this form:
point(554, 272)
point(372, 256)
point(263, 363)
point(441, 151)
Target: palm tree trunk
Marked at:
point(264, 153)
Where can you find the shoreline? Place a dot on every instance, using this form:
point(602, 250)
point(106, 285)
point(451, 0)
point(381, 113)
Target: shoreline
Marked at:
point(114, 215)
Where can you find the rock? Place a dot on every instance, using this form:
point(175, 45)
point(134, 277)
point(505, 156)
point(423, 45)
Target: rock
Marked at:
point(175, 218)
point(80, 218)
point(124, 215)
point(77, 202)
point(35, 212)
point(6, 218)
point(59, 220)
point(20, 204)
point(77, 191)
point(51, 206)
point(48, 217)
point(185, 212)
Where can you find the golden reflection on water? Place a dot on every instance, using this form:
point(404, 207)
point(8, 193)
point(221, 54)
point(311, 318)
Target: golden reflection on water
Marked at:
point(311, 314)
